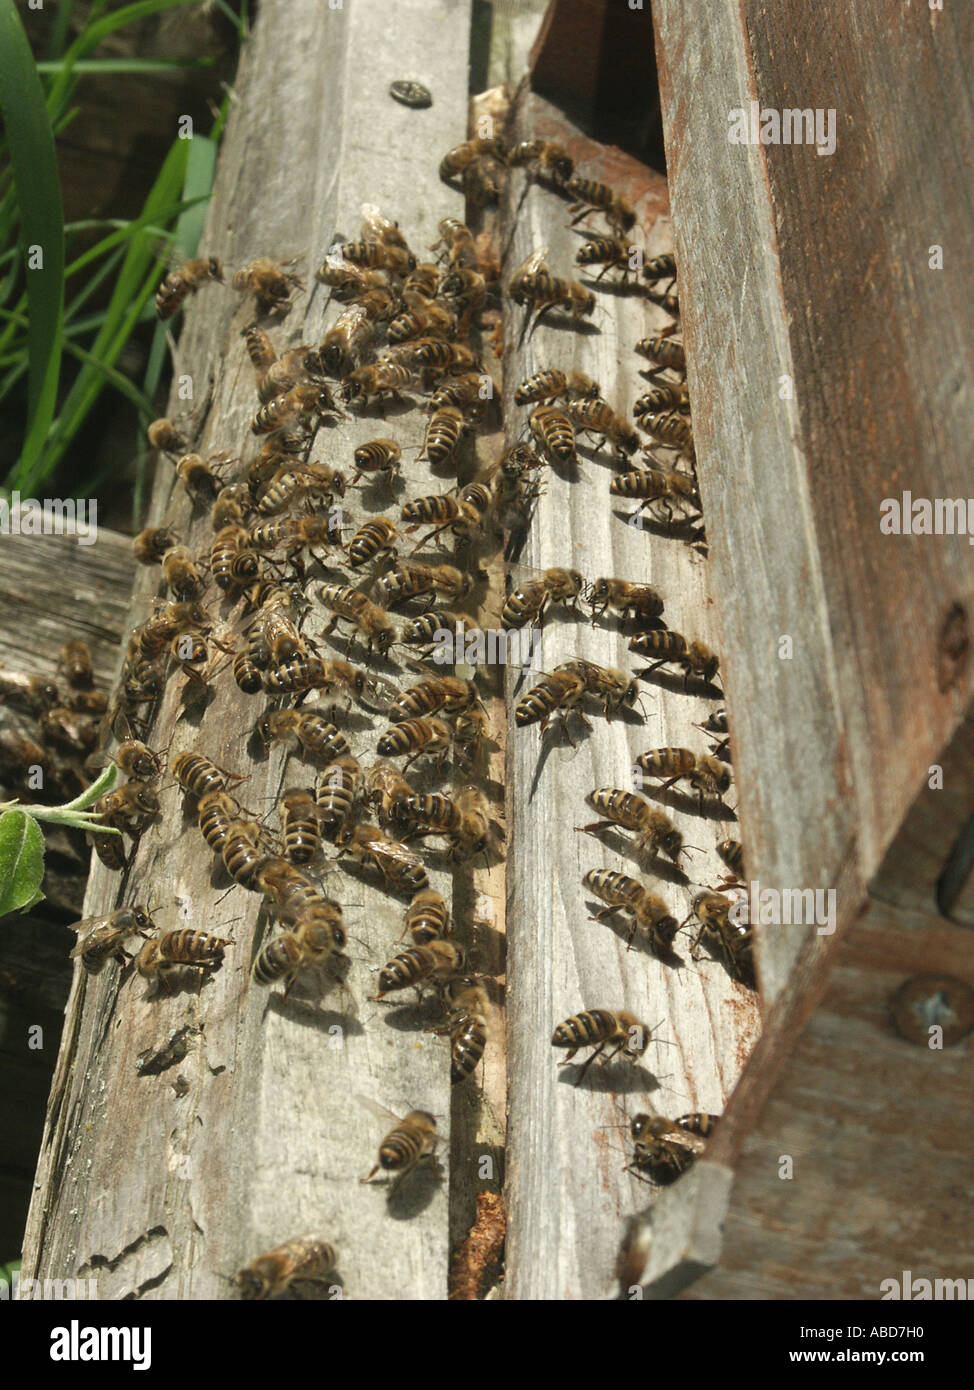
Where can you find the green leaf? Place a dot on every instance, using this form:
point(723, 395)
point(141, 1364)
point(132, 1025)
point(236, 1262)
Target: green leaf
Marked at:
point(109, 67)
point(30, 142)
point(99, 787)
point(21, 862)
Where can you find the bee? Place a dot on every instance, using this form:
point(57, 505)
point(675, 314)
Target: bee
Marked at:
point(199, 477)
point(672, 647)
point(246, 674)
point(464, 518)
point(241, 856)
point(559, 691)
point(301, 672)
point(135, 802)
point(426, 631)
point(466, 392)
point(645, 910)
point(274, 638)
point(368, 688)
point(308, 1257)
point(456, 243)
point(668, 301)
point(468, 1026)
point(386, 790)
point(615, 687)
point(299, 405)
point(168, 622)
point(291, 893)
point(378, 456)
point(74, 662)
point(641, 602)
point(599, 196)
point(464, 819)
point(315, 941)
point(731, 943)
point(551, 383)
point(663, 399)
point(270, 284)
point(299, 728)
point(534, 285)
point(705, 774)
point(136, 760)
point(164, 436)
point(346, 343)
point(675, 431)
point(216, 813)
point(181, 575)
point(378, 380)
point(354, 607)
point(551, 161)
point(260, 349)
point(288, 485)
point(31, 693)
point(481, 182)
point(377, 255)
point(660, 267)
point(151, 544)
point(142, 684)
point(424, 279)
point(65, 729)
point(299, 814)
point(437, 962)
point(102, 938)
point(654, 831)
point(608, 252)
point(296, 366)
point(595, 417)
point(292, 532)
point(109, 848)
point(470, 731)
point(716, 723)
point(665, 1148)
point(197, 775)
point(466, 290)
point(82, 701)
point(372, 539)
point(184, 947)
point(555, 433)
point(732, 854)
point(185, 281)
point(409, 579)
point(443, 432)
point(461, 156)
point(415, 737)
point(376, 227)
point(227, 544)
point(598, 1028)
point(666, 488)
point(663, 352)
point(427, 918)
point(349, 282)
point(337, 789)
point(446, 693)
point(366, 844)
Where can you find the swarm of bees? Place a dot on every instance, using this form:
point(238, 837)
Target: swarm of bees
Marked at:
point(305, 615)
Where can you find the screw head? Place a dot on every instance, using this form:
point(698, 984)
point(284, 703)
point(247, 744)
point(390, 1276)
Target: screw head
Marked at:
point(924, 1001)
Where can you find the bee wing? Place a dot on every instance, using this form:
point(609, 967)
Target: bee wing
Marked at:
point(533, 263)
point(379, 693)
point(91, 931)
point(381, 1112)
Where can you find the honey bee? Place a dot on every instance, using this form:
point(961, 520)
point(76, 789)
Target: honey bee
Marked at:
point(730, 942)
point(246, 674)
point(550, 161)
point(386, 790)
point(307, 1258)
point(227, 544)
point(260, 349)
point(481, 182)
point(443, 435)
point(598, 1028)
point(136, 760)
point(559, 691)
point(645, 910)
point(242, 857)
point(270, 284)
point(466, 392)
point(668, 301)
point(83, 701)
point(594, 417)
point(526, 603)
point(30, 693)
point(462, 156)
point(427, 918)
point(315, 736)
point(197, 775)
point(615, 687)
point(704, 773)
point(663, 399)
point(654, 831)
point(378, 380)
point(150, 545)
point(446, 513)
point(74, 663)
point(291, 893)
point(716, 723)
point(376, 227)
point(198, 476)
point(675, 431)
point(412, 1141)
point(185, 947)
point(185, 281)
point(346, 343)
point(667, 1148)
point(672, 647)
point(310, 480)
point(378, 456)
point(300, 405)
point(415, 737)
point(296, 366)
point(292, 532)
point(732, 854)
point(349, 282)
point(436, 963)
point(315, 942)
point(660, 267)
point(607, 251)
point(470, 732)
point(299, 814)
point(555, 433)
point(109, 848)
point(592, 195)
point(141, 684)
point(663, 352)
point(410, 578)
point(133, 803)
point(102, 938)
point(658, 487)
point(164, 435)
point(372, 539)
point(152, 638)
point(354, 607)
point(464, 819)
point(424, 279)
point(446, 693)
point(468, 1026)
point(299, 673)
point(534, 285)
point(67, 730)
point(466, 290)
point(181, 574)
point(337, 789)
point(552, 383)
point(641, 602)
point(366, 844)
point(425, 631)
point(377, 255)
point(456, 244)
point(216, 813)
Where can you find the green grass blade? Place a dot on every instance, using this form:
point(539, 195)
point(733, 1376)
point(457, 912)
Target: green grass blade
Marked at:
point(120, 67)
point(59, 34)
point(30, 141)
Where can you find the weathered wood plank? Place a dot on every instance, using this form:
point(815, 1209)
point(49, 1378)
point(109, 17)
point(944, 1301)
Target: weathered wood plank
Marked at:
point(567, 1192)
point(270, 1128)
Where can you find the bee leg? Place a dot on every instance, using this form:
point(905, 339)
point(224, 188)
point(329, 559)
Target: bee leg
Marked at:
point(595, 827)
point(586, 1064)
point(632, 933)
point(371, 1175)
